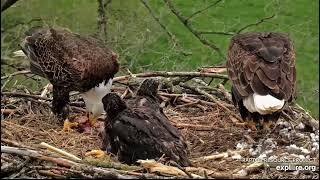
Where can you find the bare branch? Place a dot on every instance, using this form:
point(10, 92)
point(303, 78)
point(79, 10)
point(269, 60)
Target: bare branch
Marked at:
point(216, 32)
point(201, 10)
point(172, 37)
point(102, 19)
point(172, 74)
point(17, 94)
point(81, 167)
point(186, 23)
point(22, 23)
point(15, 73)
point(5, 4)
point(38, 97)
point(219, 103)
point(255, 24)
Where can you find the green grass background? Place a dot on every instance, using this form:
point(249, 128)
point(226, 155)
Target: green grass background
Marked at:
point(143, 45)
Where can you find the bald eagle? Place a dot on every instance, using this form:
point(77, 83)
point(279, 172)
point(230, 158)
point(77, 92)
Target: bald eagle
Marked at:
point(138, 128)
point(71, 62)
point(261, 66)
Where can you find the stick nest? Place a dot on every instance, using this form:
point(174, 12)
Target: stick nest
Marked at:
point(217, 140)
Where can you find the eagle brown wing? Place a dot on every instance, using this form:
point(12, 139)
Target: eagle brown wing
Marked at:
point(264, 63)
point(68, 59)
point(143, 132)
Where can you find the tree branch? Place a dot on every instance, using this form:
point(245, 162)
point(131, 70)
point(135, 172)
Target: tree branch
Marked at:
point(5, 4)
point(17, 94)
point(255, 24)
point(97, 172)
point(102, 19)
point(172, 74)
point(15, 73)
point(196, 89)
point(201, 10)
point(216, 32)
point(186, 23)
point(172, 37)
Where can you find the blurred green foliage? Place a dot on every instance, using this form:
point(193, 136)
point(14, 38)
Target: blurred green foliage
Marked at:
point(143, 45)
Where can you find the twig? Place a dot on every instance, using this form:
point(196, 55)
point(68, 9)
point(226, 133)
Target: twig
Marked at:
point(205, 174)
point(225, 92)
point(8, 123)
point(96, 171)
point(181, 168)
point(200, 81)
point(14, 143)
point(197, 127)
point(216, 32)
point(51, 174)
point(125, 93)
point(287, 116)
point(251, 168)
point(186, 23)
point(211, 157)
point(189, 101)
point(172, 74)
point(35, 154)
point(17, 94)
point(249, 139)
point(46, 89)
point(171, 36)
point(22, 171)
point(102, 22)
point(15, 73)
point(201, 10)
point(212, 98)
point(255, 24)
point(213, 69)
point(309, 120)
point(71, 172)
point(187, 104)
point(54, 149)
point(22, 23)
point(207, 102)
point(176, 95)
point(154, 166)
point(5, 4)
point(8, 111)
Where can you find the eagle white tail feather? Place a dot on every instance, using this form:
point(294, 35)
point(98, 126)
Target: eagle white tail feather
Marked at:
point(263, 104)
point(19, 53)
point(93, 97)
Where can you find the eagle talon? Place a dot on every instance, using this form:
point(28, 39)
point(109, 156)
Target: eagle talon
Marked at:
point(92, 121)
point(67, 125)
point(96, 153)
point(266, 125)
point(251, 125)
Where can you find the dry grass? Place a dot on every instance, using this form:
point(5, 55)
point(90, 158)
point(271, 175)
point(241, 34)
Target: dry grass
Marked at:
point(206, 132)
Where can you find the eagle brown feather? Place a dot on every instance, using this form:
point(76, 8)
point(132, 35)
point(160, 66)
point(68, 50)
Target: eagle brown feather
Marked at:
point(138, 129)
point(262, 63)
point(71, 62)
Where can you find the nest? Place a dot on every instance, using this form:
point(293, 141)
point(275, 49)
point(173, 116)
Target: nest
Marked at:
point(220, 146)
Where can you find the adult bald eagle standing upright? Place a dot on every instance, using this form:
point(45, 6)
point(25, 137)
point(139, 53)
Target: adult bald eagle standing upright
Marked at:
point(261, 66)
point(71, 62)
